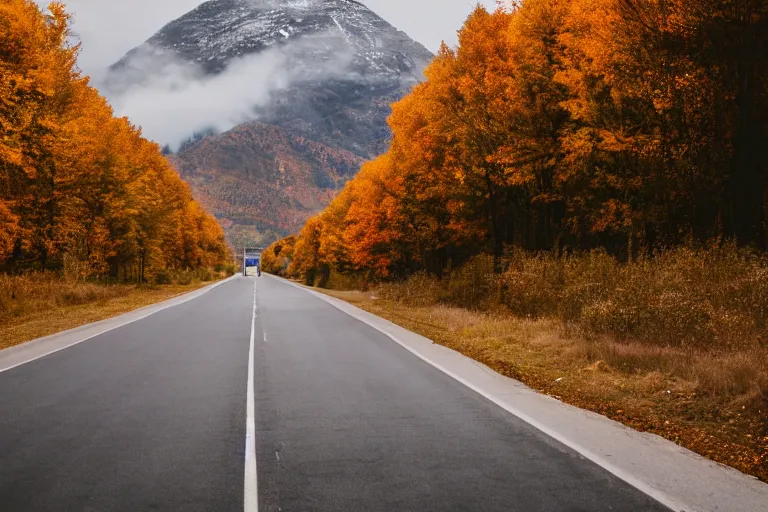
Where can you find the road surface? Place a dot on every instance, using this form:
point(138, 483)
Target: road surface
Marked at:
point(152, 416)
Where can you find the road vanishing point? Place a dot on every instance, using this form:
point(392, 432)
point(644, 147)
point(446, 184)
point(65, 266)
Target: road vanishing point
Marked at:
point(256, 394)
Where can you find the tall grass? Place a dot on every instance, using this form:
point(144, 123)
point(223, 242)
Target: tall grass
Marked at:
point(45, 291)
point(694, 314)
point(49, 291)
point(706, 298)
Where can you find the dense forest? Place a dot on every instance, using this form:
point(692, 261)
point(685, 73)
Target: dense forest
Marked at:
point(561, 126)
point(81, 190)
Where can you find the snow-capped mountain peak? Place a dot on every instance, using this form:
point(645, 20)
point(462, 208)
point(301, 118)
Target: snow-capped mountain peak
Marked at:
point(221, 30)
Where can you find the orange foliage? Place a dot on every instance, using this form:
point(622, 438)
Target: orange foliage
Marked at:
point(77, 182)
point(567, 124)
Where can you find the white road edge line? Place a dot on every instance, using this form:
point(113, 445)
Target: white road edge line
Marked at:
point(640, 485)
point(193, 295)
point(251, 502)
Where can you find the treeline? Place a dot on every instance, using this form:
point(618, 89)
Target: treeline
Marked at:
point(80, 188)
point(562, 125)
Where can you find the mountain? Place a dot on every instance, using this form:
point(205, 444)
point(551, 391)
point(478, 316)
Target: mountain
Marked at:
point(338, 66)
point(263, 181)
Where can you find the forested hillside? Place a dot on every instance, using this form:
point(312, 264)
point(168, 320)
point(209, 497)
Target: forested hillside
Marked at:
point(262, 181)
point(81, 190)
point(562, 125)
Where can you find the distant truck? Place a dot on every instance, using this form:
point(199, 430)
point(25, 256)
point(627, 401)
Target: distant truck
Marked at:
point(252, 260)
point(251, 263)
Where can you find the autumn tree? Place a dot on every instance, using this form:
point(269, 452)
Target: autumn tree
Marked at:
point(562, 125)
point(8, 231)
point(76, 183)
point(278, 256)
point(307, 263)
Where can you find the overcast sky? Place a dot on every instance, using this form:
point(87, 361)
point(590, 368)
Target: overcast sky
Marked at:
point(109, 28)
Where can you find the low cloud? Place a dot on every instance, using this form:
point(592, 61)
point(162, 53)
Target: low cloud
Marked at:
point(179, 98)
point(171, 99)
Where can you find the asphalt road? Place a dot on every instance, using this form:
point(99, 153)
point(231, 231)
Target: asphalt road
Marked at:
point(152, 416)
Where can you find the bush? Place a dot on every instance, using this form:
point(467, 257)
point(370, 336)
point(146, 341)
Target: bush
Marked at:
point(474, 285)
point(345, 281)
point(162, 277)
point(185, 277)
point(714, 297)
point(531, 285)
point(204, 275)
point(420, 290)
point(588, 279)
point(227, 269)
point(43, 291)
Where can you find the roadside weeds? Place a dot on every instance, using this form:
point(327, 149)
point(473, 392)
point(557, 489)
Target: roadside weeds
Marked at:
point(32, 307)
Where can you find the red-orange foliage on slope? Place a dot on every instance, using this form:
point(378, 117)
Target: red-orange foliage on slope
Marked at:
point(264, 179)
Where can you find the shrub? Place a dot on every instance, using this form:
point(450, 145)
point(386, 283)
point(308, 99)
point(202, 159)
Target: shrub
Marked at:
point(531, 285)
point(419, 290)
point(345, 281)
point(474, 285)
point(162, 277)
point(44, 291)
point(708, 298)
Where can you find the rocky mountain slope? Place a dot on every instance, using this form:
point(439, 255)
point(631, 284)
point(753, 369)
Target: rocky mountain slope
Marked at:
point(263, 181)
point(342, 66)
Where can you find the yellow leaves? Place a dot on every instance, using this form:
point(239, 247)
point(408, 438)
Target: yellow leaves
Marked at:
point(10, 151)
point(562, 122)
point(613, 215)
point(81, 181)
point(578, 148)
point(456, 145)
point(8, 230)
point(518, 177)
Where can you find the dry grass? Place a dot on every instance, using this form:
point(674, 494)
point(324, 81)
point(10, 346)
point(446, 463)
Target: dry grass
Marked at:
point(675, 346)
point(698, 298)
point(38, 305)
